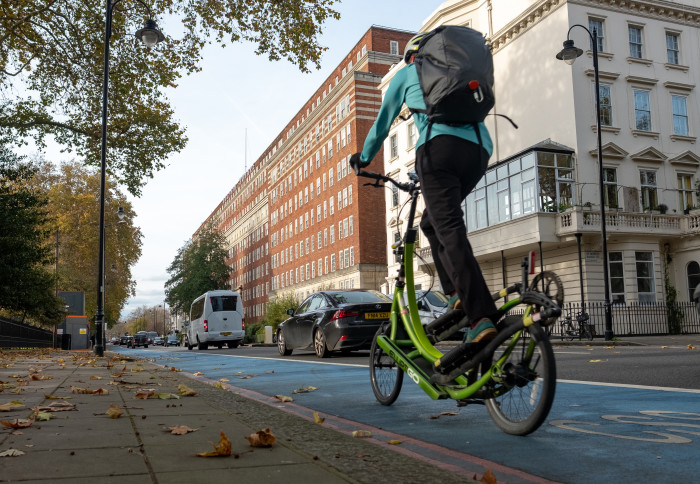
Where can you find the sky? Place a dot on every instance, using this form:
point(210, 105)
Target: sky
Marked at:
point(237, 96)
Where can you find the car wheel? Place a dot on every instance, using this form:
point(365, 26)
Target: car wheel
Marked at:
point(145, 346)
point(282, 345)
point(320, 346)
point(220, 346)
point(233, 344)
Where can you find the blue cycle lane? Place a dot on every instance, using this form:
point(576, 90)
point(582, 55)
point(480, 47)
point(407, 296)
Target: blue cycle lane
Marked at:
point(595, 432)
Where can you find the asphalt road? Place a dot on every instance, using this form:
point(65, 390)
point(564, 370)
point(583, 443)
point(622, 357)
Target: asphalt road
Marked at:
point(621, 413)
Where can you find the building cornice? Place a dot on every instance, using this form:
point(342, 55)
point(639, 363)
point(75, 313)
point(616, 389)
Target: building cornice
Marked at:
point(653, 9)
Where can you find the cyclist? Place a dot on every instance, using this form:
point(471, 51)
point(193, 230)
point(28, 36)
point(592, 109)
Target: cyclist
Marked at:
point(449, 165)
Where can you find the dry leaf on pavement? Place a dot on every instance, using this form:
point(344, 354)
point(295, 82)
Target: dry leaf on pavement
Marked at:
point(19, 423)
point(393, 442)
point(10, 406)
point(114, 412)
point(52, 397)
point(284, 398)
point(361, 433)
point(261, 438)
point(167, 396)
point(11, 453)
point(185, 390)
point(318, 419)
point(180, 430)
point(172, 368)
point(145, 393)
point(487, 478)
point(222, 449)
point(87, 391)
point(199, 373)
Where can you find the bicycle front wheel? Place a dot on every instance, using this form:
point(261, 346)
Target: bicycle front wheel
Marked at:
point(524, 383)
point(385, 375)
point(567, 331)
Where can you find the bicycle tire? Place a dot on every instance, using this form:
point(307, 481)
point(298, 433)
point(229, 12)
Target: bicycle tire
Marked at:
point(384, 373)
point(567, 331)
point(525, 384)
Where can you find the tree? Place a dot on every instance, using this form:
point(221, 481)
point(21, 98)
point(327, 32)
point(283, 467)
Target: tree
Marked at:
point(51, 65)
point(199, 266)
point(276, 310)
point(26, 286)
point(71, 190)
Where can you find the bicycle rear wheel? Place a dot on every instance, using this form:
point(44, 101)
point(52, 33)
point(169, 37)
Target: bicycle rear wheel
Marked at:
point(384, 374)
point(525, 384)
point(567, 331)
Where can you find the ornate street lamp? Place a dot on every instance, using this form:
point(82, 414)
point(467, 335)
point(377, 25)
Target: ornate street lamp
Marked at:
point(569, 54)
point(149, 35)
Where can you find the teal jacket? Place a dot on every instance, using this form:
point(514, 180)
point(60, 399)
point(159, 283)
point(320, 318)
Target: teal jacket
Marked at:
point(405, 88)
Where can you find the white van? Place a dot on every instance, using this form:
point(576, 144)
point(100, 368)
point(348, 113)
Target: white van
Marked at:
point(216, 318)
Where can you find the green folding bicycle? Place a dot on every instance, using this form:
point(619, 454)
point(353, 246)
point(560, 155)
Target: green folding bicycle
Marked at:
point(514, 375)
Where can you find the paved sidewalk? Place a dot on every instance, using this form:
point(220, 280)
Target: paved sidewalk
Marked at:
point(87, 445)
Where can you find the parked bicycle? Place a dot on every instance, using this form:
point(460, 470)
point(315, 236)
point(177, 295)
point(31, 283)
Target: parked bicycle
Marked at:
point(577, 326)
point(514, 375)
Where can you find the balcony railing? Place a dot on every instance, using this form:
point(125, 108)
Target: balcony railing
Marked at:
point(578, 219)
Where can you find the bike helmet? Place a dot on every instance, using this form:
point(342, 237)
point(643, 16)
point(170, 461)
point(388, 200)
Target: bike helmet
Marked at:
point(412, 46)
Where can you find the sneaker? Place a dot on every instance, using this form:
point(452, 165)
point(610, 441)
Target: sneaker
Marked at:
point(482, 331)
point(454, 302)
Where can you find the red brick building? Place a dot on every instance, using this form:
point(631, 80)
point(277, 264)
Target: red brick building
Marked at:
point(299, 220)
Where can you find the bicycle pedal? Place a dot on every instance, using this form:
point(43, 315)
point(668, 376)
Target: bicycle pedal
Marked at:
point(456, 357)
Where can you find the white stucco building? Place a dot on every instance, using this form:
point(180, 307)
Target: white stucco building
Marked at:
point(542, 189)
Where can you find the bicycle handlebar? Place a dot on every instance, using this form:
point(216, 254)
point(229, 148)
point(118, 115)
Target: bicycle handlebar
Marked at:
point(406, 187)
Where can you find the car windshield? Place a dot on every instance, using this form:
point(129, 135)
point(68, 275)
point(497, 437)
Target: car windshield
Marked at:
point(349, 297)
point(223, 303)
point(437, 299)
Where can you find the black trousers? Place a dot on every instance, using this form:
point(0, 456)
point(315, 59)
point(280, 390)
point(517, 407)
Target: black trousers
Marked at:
point(449, 168)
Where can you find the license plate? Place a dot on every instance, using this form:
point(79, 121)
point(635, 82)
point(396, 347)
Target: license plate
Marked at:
point(377, 315)
point(227, 333)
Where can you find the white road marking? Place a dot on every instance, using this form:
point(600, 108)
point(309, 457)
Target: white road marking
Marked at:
point(625, 385)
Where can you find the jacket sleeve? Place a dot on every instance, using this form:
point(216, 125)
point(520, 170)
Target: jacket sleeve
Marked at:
point(389, 110)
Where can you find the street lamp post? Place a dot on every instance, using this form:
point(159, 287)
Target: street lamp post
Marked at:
point(150, 36)
point(569, 54)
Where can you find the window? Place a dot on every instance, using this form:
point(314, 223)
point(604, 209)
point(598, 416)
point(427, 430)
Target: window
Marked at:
point(597, 25)
point(673, 54)
point(644, 262)
point(394, 142)
point(693, 272)
point(394, 196)
point(642, 110)
point(680, 115)
point(393, 47)
point(325, 265)
point(648, 184)
point(634, 34)
point(412, 135)
point(617, 277)
point(606, 118)
point(610, 184)
point(331, 203)
point(555, 175)
point(332, 262)
point(685, 191)
point(332, 231)
point(330, 177)
point(397, 243)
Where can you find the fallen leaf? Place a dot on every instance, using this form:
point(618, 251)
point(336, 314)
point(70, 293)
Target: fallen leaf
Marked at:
point(114, 412)
point(10, 406)
point(51, 397)
point(691, 347)
point(11, 453)
point(664, 347)
point(261, 438)
point(487, 477)
point(43, 416)
point(284, 398)
point(595, 361)
point(87, 391)
point(218, 384)
point(317, 418)
point(19, 423)
point(56, 407)
point(222, 449)
point(199, 373)
point(224, 379)
point(145, 393)
point(166, 396)
point(361, 433)
point(305, 390)
point(449, 413)
point(172, 368)
point(269, 371)
point(181, 430)
point(393, 442)
point(185, 390)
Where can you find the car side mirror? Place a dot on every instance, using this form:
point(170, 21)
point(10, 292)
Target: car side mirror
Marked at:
point(290, 312)
point(420, 305)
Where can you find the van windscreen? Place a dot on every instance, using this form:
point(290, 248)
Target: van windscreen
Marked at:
point(223, 303)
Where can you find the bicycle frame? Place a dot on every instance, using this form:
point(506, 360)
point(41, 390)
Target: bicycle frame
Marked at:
point(404, 314)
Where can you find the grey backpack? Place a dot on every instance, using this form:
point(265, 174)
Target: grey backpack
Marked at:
point(455, 71)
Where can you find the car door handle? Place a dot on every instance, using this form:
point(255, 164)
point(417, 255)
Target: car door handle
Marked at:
point(225, 319)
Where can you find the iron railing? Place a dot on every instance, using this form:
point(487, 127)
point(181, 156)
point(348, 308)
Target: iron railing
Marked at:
point(637, 318)
point(16, 334)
